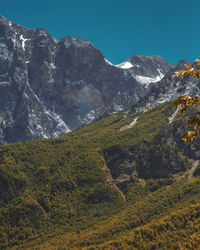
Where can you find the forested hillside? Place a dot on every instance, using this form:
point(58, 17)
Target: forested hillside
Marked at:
point(126, 180)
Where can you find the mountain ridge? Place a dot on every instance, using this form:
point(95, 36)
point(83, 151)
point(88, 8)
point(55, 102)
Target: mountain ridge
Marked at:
point(57, 86)
point(50, 87)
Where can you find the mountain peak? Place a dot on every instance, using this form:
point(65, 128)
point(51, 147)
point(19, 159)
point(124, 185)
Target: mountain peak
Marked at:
point(77, 42)
point(148, 59)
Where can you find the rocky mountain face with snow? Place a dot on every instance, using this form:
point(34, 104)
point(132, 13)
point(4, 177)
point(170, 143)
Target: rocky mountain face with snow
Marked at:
point(50, 87)
point(169, 88)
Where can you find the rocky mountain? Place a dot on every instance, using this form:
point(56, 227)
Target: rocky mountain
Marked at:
point(50, 87)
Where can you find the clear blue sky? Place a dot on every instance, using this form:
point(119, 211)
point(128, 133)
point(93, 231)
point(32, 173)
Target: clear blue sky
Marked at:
point(170, 28)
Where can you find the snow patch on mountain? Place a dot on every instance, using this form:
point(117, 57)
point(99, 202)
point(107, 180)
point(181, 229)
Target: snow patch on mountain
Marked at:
point(171, 118)
point(125, 65)
point(108, 62)
point(160, 73)
point(23, 41)
point(146, 80)
point(129, 125)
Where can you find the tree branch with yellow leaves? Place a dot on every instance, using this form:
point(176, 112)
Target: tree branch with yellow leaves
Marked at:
point(183, 102)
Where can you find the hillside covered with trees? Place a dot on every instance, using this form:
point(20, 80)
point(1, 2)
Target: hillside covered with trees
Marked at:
point(127, 180)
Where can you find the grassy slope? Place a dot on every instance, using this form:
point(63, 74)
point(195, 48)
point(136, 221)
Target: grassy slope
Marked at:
point(68, 185)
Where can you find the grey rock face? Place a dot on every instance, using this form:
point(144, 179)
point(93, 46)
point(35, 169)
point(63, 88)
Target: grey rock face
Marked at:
point(49, 87)
point(169, 88)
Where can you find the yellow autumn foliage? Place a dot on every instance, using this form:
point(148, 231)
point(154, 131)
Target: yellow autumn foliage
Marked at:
point(183, 102)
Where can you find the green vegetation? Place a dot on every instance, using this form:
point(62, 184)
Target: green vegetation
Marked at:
point(178, 230)
point(144, 223)
point(98, 185)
